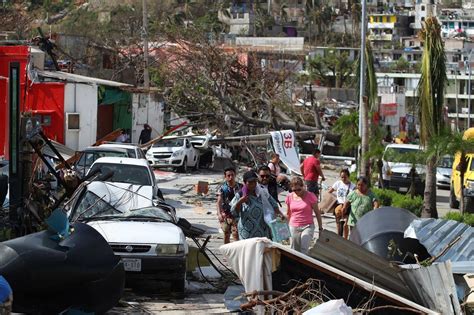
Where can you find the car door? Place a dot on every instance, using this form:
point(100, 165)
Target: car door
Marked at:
point(188, 152)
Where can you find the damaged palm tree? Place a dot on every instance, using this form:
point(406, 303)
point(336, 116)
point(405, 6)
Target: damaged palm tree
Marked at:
point(431, 90)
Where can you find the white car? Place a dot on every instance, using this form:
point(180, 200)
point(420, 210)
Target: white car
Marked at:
point(173, 152)
point(397, 174)
point(443, 172)
point(129, 171)
point(145, 236)
point(132, 150)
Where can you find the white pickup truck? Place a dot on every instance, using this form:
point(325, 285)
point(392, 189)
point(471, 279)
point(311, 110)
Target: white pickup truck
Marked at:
point(174, 152)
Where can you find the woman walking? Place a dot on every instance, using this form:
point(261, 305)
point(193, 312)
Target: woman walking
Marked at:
point(361, 201)
point(342, 188)
point(301, 206)
point(248, 207)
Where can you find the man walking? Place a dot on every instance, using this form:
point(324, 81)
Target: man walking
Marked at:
point(311, 170)
point(145, 134)
point(225, 195)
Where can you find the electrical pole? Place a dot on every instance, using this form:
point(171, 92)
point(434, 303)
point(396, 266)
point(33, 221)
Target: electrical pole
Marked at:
point(146, 77)
point(362, 109)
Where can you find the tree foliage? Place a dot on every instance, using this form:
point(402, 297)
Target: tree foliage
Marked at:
point(332, 70)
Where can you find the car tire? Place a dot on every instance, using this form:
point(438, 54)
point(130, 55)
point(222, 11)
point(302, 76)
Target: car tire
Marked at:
point(453, 202)
point(468, 205)
point(178, 288)
point(184, 168)
point(196, 165)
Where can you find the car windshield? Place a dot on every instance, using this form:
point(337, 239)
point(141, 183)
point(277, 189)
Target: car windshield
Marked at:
point(170, 143)
point(393, 153)
point(93, 207)
point(88, 158)
point(446, 162)
point(123, 173)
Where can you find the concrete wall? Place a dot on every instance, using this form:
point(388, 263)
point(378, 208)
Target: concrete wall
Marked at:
point(82, 99)
point(146, 109)
point(286, 43)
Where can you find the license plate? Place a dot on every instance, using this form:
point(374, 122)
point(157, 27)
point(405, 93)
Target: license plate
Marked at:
point(403, 189)
point(162, 161)
point(132, 264)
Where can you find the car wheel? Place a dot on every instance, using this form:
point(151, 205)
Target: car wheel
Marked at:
point(196, 165)
point(184, 168)
point(453, 202)
point(178, 288)
point(468, 205)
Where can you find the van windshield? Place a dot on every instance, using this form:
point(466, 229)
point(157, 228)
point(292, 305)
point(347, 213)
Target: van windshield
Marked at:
point(394, 153)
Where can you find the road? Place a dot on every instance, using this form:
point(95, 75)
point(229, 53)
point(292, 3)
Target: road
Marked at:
point(201, 297)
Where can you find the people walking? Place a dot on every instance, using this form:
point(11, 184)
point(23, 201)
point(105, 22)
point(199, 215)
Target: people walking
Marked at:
point(225, 195)
point(266, 180)
point(248, 206)
point(301, 206)
point(145, 134)
point(341, 189)
point(311, 171)
point(361, 201)
point(275, 170)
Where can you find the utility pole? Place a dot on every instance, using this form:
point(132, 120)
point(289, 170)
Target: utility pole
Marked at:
point(362, 109)
point(146, 77)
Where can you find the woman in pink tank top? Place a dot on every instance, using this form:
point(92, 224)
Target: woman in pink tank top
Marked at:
point(301, 206)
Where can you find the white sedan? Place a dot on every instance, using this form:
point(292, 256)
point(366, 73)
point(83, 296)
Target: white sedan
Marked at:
point(145, 236)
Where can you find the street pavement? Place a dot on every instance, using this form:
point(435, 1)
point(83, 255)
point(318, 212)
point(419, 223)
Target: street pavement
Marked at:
point(201, 297)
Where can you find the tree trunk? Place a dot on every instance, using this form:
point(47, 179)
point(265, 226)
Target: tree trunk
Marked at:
point(429, 200)
point(364, 170)
point(314, 106)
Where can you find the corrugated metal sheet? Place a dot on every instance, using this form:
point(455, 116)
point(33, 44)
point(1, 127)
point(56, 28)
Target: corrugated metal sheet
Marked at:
point(335, 251)
point(433, 287)
point(436, 234)
point(70, 77)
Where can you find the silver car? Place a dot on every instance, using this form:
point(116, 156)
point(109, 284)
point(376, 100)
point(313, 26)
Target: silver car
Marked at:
point(443, 172)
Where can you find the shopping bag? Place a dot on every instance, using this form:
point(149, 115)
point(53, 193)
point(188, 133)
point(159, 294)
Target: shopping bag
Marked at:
point(280, 230)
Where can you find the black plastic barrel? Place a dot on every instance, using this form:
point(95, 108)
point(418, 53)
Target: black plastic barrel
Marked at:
point(381, 232)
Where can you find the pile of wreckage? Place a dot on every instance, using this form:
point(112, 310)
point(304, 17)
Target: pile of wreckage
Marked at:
point(394, 263)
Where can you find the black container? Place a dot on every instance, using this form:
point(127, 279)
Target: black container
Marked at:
point(381, 232)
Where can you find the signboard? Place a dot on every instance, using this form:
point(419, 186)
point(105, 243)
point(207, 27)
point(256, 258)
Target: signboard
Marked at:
point(284, 145)
point(389, 109)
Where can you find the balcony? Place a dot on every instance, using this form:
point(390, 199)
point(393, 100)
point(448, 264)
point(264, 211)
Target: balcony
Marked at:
point(381, 25)
point(381, 37)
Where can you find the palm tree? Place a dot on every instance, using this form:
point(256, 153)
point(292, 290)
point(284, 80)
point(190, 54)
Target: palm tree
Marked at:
point(370, 103)
point(431, 88)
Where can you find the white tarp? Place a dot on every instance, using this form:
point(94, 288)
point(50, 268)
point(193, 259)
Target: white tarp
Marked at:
point(284, 145)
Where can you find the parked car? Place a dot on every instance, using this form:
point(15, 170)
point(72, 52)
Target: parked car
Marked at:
point(133, 151)
point(143, 234)
point(443, 172)
point(90, 154)
point(129, 171)
point(468, 183)
point(397, 174)
point(174, 152)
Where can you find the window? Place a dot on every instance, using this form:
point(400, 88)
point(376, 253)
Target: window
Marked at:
point(73, 122)
point(91, 205)
point(422, 8)
point(122, 173)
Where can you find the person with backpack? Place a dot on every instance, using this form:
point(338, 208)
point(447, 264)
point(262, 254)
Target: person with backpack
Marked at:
point(225, 195)
point(249, 207)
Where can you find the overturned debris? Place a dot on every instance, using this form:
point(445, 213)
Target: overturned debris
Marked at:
point(50, 274)
point(266, 266)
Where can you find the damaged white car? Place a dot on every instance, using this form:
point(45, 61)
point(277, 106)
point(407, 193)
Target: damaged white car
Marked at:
point(144, 235)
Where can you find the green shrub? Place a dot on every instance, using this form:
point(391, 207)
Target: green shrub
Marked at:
point(467, 218)
point(387, 197)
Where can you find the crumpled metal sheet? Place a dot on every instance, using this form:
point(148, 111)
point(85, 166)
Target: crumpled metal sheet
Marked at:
point(433, 286)
point(436, 234)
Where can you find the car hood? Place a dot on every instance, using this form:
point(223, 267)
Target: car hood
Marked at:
point(164, 149)
point(444, 171)
point(134, 232)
